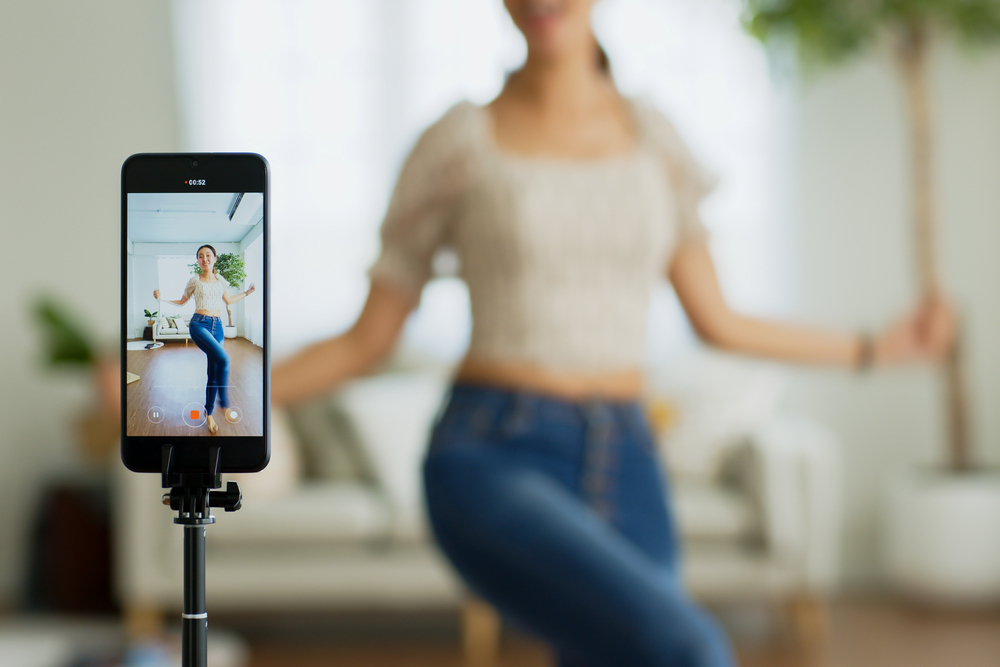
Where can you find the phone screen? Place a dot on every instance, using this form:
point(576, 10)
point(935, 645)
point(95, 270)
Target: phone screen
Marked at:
point(195, 321)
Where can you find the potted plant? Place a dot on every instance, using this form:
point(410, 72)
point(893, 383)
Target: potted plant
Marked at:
point(230, 266)
point(943, 524)
point(151, 316)
point(66, 345)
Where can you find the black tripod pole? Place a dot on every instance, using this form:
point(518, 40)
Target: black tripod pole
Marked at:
point(194, 620)
point(192, 496)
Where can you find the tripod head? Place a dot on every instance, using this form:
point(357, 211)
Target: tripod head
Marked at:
point(191, 493)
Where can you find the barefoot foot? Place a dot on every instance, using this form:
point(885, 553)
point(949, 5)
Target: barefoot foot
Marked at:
point(213, 428)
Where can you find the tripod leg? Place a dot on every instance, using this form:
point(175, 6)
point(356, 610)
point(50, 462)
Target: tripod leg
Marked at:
point(194, 620)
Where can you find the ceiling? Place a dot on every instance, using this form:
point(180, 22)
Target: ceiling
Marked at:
point(196, 217)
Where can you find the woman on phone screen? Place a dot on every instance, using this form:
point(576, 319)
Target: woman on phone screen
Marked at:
point(566, 203)
point(211, 296)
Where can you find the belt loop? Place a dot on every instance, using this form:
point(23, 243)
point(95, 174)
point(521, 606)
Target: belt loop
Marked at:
point(525, 412)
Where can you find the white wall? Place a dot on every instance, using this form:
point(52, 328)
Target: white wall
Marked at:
point(253, 306)
point(854, 249)
point(83, 85)
point(254, 275)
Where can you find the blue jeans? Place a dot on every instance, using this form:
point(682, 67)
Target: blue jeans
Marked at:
point(556, 513)
point(207, 334)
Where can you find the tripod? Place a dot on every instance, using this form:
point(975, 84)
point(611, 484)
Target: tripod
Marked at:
point(191, 495)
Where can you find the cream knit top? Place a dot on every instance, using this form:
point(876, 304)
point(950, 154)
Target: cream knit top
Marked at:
point(560, 256)
point(207, 296)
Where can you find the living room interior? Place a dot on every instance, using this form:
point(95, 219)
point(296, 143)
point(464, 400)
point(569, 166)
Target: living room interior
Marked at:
point(796, 488)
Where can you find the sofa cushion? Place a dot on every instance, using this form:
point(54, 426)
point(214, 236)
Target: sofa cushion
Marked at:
point(330, 447)
point(168, 330)
point(393, 415)
point(710, 401)
point(714, 512)
point(315, 513)
point(283, 474)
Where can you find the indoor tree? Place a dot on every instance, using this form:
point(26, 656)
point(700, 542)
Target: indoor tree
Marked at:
point(230, 266)
point(828, 31)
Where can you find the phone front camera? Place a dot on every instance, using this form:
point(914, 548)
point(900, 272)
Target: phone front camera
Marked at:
point(194, 163)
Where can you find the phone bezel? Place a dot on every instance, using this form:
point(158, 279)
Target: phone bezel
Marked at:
point(222, 172)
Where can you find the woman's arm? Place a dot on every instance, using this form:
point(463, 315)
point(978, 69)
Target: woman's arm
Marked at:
point(925, 334)
point(230, 299)
point(321, 366)
point(179, 302)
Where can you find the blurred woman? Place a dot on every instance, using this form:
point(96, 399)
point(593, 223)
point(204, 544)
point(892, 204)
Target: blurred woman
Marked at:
point(566, 203)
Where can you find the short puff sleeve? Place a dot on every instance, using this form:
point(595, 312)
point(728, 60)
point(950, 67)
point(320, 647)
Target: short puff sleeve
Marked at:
point(190, 287)
point(425, 202)
point(689, 180)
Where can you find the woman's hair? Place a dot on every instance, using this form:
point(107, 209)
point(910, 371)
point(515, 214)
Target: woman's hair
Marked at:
point(603, 63)
point(214, 254)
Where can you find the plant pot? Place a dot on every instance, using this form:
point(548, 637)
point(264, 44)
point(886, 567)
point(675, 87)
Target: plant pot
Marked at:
point(229, 332)
point(150, 322)
point(943, 536)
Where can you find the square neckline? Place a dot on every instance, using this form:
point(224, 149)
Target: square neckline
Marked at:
point(487, 131)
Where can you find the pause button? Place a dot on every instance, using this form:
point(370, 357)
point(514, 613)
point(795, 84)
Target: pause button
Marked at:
point(155, 414)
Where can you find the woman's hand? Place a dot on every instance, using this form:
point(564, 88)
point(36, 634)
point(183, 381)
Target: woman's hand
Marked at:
point(925, 334)
point(156, 294)
point(250, 289)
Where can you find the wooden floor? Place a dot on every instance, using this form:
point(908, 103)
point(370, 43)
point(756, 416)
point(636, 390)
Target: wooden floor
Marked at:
point(864, 633)
point(174, 375)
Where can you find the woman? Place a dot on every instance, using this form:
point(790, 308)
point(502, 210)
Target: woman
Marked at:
point(210, 291)
point(566, 204)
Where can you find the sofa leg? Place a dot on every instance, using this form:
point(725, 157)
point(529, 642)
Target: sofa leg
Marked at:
point(809, 618)
point(480, 633)
point(143, 621)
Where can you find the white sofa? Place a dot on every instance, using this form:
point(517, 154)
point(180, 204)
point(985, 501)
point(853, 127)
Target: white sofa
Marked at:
point(763, 526)
point(164, 329)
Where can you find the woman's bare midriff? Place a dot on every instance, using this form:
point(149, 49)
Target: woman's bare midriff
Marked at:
point(208, 313)
point(623, 385)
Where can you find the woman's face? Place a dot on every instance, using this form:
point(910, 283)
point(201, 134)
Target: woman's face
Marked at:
point(206, 260)
point(551, 27)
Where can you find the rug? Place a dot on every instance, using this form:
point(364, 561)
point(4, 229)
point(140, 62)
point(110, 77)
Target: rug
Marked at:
point(133, 345)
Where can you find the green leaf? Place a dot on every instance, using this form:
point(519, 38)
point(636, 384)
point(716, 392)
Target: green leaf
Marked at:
point(828, 31)
point(230, 266)
point(66, 344)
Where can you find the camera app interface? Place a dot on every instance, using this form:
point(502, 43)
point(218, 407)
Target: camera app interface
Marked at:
point(195, 309)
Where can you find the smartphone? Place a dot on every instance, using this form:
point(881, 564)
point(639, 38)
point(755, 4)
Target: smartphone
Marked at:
point(195, 312)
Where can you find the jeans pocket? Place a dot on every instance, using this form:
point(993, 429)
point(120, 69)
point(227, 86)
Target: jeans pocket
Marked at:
point(519, 416)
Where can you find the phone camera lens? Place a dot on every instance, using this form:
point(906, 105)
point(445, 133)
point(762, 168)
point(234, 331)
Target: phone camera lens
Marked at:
point(194, 163)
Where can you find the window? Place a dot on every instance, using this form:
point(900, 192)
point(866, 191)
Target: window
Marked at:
point(173, 273)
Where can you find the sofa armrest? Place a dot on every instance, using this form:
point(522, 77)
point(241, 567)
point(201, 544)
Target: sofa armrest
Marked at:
point(798, 487)
point(147, 544)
